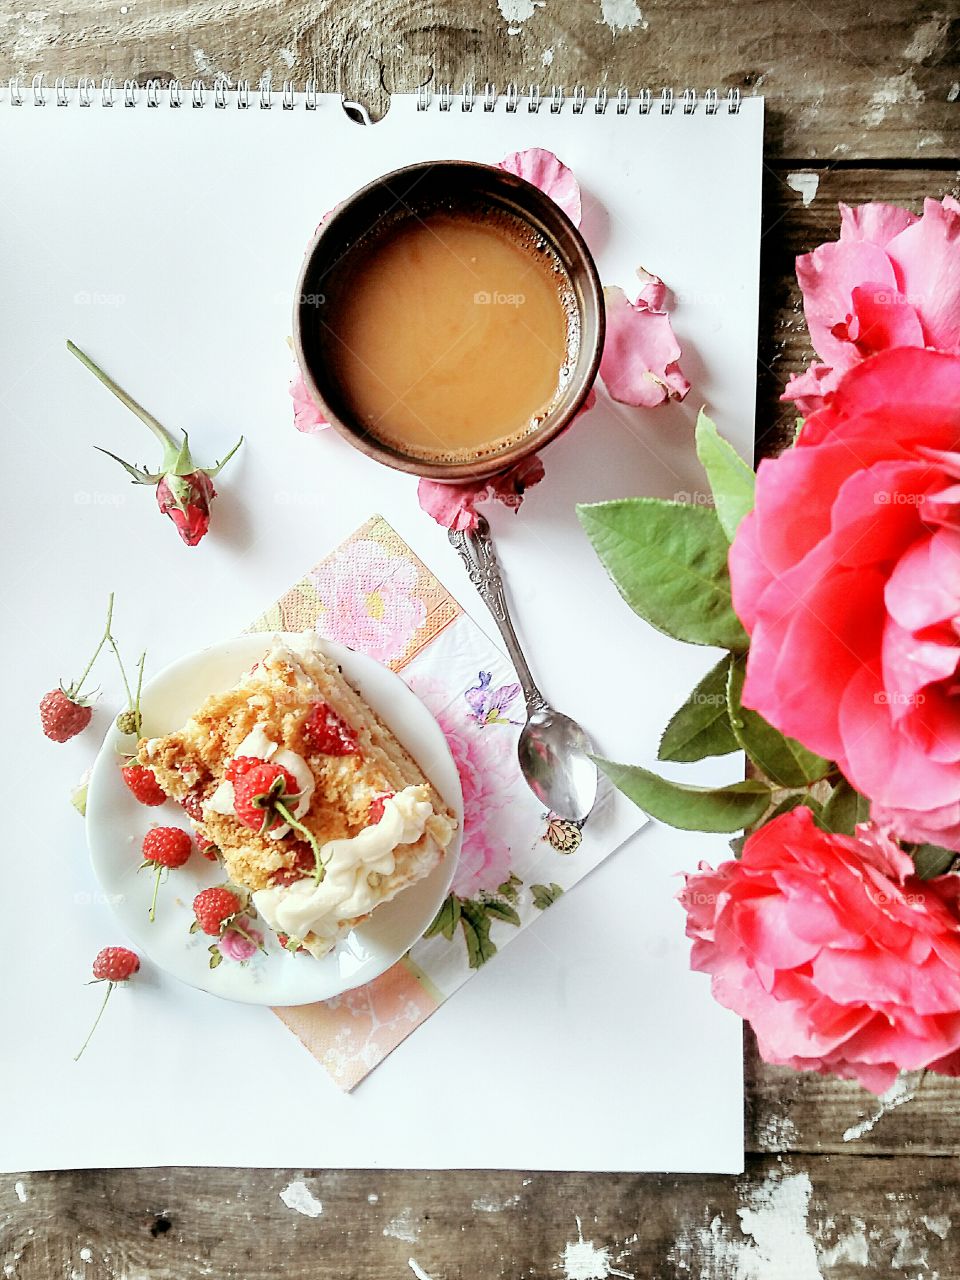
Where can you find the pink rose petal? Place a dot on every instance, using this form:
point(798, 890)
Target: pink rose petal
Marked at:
point(640, 353)
point(455, 505)
point(876, 223)
point(542, 168)
point(927, 256)
point(306, 415)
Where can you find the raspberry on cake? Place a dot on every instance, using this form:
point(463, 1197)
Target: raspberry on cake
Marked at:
point(314, 805)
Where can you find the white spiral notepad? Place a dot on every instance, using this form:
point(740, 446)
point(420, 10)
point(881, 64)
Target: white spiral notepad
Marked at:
point(162, 229)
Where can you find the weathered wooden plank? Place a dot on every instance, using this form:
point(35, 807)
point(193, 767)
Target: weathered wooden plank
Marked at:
point(795, 1219)
point(843, 79)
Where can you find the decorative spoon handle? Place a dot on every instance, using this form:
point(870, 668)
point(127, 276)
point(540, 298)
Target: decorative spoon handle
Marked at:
point(476, 550)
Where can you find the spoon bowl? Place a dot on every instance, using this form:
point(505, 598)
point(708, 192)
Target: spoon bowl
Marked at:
point(555, 760)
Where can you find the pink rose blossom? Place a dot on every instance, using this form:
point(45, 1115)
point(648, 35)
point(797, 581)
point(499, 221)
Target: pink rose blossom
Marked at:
point(370, 599)
point(839, 957)
point(891, 280)
point(640, 354)
point(847, 577)
point(234, 946)
point(554, 179)
point(307, 416)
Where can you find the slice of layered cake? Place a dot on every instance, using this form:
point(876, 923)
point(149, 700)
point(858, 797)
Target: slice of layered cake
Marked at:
point(314, 805)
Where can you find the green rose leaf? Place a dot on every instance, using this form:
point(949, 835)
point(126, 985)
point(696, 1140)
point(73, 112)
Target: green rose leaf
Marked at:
point(669, 562)
point(702, 725)
point(844, 808)
point(545, 895)
point(446, 919)
point(476, 932)
point(731, 480)
point(510, 887)
point(782, 759)
point(690, 808)
point(933, 860)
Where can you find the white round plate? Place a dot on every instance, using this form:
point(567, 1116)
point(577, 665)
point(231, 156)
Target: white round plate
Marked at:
point(117, 823)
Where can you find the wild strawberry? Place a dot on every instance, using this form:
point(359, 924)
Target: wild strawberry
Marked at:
point(290, 944)
point(206, 847)
point(240, 765)
point(376, 807)
point(63, 712)
point(184, 491)
point(214, 907)
point(61, 716)
point(143, 784)
point(262, 794)
point(164, 848)
point(328, 733)
point(112, 965)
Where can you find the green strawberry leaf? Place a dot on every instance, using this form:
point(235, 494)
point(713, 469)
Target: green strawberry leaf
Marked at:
point(690, 808)
point(510, 888)
point(844, 808)
point(782, 759)
point(545, 895)
point(669, 562)
point(702, 725)
point(731, 480)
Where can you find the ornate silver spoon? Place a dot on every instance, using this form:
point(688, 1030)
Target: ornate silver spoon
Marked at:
point(554, 751)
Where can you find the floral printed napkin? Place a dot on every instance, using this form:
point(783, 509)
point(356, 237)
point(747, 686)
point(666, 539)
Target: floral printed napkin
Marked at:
point(374, 595)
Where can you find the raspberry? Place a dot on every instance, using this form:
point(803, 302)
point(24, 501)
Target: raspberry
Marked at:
point(327, 733)
point(213, 907)
point(143, 784)
point(257, 789)
point(112, 965)
point(376, 807)
point(284, 941)
point(240, 765)
point(61, 718)
point(192, 805)
point(164, 847)
point(207, 847)
point(115, 964)
point(167, 846)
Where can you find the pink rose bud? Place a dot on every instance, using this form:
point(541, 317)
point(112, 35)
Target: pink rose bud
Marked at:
point(186, 500)
point(184, 490)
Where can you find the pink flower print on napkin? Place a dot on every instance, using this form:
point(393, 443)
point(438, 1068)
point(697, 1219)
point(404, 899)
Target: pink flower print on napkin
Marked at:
point(487, 776)
point(370, 601)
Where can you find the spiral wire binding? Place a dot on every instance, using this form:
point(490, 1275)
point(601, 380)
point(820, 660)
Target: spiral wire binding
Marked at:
point(200, 95)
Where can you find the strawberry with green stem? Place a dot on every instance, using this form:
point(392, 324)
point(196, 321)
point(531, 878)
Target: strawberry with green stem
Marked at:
point(264, 797)
point(184, 490)
point(64, 712)
point(113, 965)
point(164, 848)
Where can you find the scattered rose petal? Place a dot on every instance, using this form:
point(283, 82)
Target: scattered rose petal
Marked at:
point(550, 175)
point(306, 416)
point(652, 289)
point(455, 505)
point(639, 362)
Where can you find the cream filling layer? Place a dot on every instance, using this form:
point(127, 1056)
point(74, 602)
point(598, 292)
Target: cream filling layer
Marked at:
point(355, 868)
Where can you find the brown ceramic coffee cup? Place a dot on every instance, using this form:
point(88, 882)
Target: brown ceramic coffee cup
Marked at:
point(418, 191)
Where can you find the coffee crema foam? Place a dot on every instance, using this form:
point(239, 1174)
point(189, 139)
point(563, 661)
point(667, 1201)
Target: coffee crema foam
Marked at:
point(452, 335)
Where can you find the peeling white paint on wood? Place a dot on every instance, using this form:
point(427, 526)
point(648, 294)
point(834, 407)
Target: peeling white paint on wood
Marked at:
point(299, 1197)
